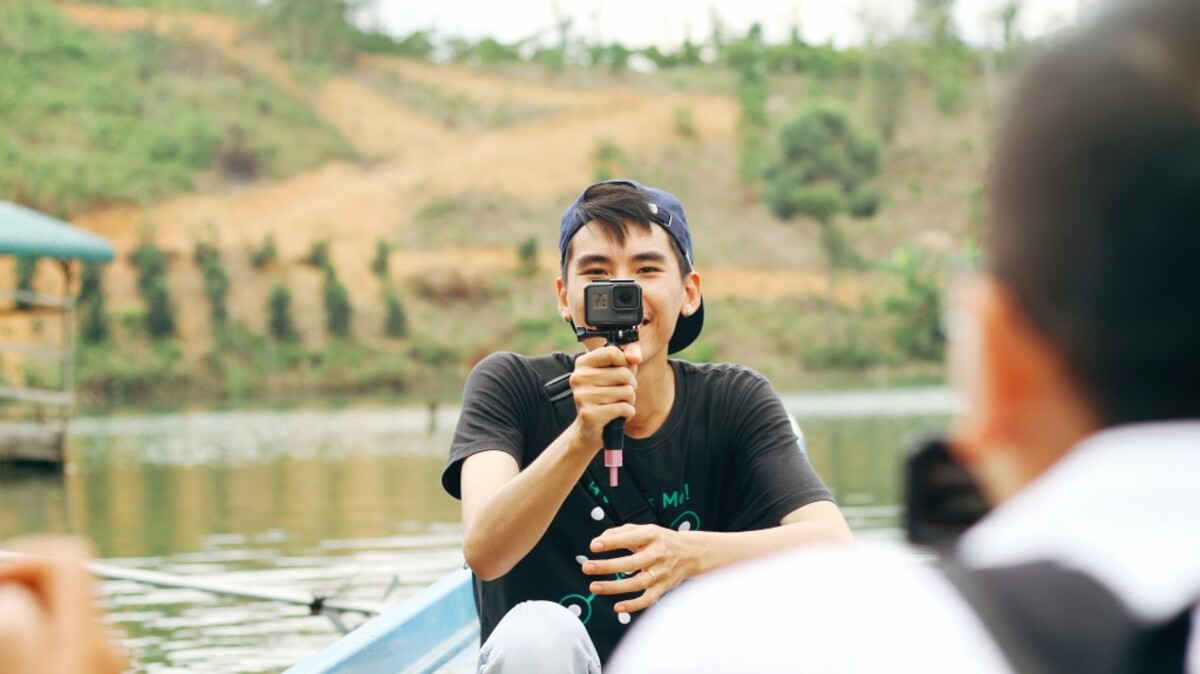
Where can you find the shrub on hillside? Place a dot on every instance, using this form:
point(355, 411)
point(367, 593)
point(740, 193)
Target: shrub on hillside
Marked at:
point(216, 280)
point(265, 254)
point(379, 264)
point(395, 325)
point(151, 265)
point(279, 314)
point(160, 310)
point(338, 310)
point(318, 254)
point(527, 256)
point(917, 305)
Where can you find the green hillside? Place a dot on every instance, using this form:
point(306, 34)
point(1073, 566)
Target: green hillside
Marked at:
point(99, 119)
point(246, 108)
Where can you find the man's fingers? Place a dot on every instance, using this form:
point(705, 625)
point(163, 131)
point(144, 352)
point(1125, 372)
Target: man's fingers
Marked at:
point(630, 539)
point(627, 564)
point(606, 395)
point(628, 585)
point(609, 356)
point(602, 377)
point(644, 601)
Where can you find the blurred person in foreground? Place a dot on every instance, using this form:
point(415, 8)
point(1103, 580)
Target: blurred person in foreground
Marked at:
point(49, 623)
point(1083, 429)
point(713, 471)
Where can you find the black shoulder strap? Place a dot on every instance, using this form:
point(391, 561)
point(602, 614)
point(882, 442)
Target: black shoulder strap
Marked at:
point(1047, 618)
point(626, 499)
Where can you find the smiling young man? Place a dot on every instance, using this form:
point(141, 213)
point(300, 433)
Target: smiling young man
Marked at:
point(562, 560)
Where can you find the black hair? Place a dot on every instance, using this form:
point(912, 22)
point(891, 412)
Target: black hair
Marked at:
point(614, 207)
point(1096, 207)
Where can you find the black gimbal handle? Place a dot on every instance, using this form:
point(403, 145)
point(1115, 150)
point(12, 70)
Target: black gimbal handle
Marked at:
point(614, 434)
point(614, 431)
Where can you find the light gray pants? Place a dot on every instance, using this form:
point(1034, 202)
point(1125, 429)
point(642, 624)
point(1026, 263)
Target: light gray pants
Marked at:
point(539, 637)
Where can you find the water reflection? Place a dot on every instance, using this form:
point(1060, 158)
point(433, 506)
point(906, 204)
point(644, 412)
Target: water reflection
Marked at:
point(329, 502)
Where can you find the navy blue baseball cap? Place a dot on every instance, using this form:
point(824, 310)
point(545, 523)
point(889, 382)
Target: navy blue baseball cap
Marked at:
point(665, 210)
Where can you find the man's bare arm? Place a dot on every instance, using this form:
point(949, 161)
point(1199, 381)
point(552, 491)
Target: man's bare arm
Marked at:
point(506, 510)
point(662, 558)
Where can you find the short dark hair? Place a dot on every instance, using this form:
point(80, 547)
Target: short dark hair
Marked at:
point(614, 207)
point(1096, 207)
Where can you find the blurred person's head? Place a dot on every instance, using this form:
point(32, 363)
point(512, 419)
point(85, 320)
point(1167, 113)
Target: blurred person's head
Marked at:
point(1090, 313)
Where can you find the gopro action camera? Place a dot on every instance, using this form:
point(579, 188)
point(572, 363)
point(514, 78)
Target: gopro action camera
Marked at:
point(613, 304)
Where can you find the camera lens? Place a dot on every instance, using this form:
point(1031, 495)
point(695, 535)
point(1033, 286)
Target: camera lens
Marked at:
point(625, 298)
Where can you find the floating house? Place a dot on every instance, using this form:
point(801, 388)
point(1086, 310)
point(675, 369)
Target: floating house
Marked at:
point(25, 233)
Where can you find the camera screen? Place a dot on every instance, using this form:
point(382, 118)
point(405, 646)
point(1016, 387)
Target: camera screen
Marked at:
point(600, 301)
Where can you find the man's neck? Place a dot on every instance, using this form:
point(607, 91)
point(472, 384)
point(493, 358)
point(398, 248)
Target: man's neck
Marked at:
point(655, 396)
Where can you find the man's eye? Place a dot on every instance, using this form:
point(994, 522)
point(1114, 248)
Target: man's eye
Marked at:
point(594, 272)
point(649, 270)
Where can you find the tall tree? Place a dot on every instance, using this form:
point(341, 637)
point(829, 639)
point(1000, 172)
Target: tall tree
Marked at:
point(824, 170)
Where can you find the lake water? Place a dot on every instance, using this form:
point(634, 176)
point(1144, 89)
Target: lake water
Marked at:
point(343, 502)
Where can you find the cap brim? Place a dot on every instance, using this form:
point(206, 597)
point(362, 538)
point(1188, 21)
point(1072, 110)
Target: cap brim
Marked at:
point(687, 330)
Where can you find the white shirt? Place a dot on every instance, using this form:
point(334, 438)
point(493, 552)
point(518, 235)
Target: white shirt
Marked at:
point(1122, 506)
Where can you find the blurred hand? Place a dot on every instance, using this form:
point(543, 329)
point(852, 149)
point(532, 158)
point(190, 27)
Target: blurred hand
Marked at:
point(49, 622)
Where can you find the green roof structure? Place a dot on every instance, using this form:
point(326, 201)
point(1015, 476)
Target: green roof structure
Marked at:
point(27, 233)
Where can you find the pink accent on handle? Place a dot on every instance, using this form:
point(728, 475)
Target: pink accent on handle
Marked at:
point(613, 459)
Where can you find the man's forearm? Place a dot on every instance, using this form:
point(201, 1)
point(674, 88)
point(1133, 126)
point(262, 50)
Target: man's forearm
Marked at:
point(506, 524)
point(822, 523)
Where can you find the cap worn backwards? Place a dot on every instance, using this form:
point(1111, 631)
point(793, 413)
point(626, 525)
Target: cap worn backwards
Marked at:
point(667, 211)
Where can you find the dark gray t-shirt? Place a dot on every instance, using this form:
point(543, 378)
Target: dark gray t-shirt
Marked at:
point(725, 459)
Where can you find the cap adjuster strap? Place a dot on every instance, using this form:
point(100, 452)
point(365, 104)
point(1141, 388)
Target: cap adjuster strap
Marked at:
point(665, 222)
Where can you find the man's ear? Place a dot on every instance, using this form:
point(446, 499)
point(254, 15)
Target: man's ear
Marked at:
point(564, 306)
point(691, 293)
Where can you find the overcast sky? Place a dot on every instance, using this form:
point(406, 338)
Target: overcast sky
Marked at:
point(665, 23)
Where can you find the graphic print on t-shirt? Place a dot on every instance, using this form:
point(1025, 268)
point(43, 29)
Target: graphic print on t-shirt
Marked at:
point(580, 605)
point(687, 521)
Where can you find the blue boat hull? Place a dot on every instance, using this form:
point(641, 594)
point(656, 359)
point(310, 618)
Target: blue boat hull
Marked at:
point(419, 635)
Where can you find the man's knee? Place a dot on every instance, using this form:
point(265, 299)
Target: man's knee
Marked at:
point(538, 636)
